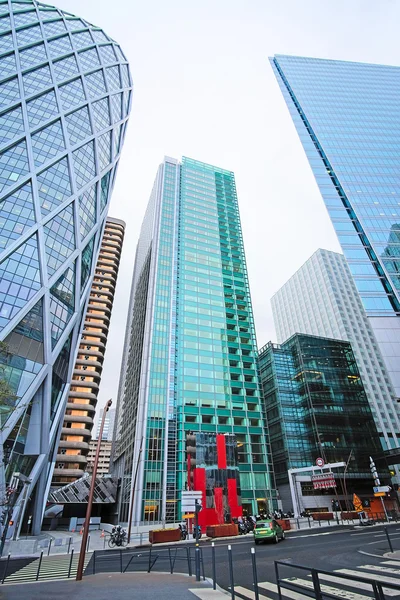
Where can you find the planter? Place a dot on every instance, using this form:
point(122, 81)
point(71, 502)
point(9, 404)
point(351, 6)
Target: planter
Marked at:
point(159, 536)
point(228, 530)
point(322, 516)
point(349, 515)
point(284, 523)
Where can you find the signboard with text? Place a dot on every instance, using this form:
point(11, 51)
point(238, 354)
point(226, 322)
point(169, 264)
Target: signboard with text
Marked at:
point(323, 481)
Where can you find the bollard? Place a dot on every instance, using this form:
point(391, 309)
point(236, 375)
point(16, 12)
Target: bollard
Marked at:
point(231, 572)
point(48, 551)
point(69, 544)
point(309, 524)
point(388, 539)
point(197, 562)
point(40, 564)
point(70, 563)
point(319, 522)
point(88, 542)
point(255, 578)
point(141, 539)
point(104, 542)
point(94, 562)
point(189, 560)
point(298, 523)
point(6, 568)
point(120, 559)
point(214, 576)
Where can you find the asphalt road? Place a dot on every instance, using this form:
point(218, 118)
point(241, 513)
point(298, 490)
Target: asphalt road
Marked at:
point(329, 550)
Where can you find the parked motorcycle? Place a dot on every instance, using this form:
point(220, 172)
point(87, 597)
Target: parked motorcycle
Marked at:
point(118, 537)
point(184, 531)
point(198, 532)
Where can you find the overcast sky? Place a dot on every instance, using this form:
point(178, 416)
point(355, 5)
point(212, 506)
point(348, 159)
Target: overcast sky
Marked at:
point(203, 88)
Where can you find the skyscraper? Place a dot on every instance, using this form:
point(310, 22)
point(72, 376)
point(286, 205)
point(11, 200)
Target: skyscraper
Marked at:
point(109, 422)
point(77, 429)
point(321, 299)
point(190, 348)
point(347, 117)
point(65, 93)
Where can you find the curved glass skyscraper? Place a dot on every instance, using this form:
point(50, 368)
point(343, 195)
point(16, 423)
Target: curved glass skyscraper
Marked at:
point(65, 95)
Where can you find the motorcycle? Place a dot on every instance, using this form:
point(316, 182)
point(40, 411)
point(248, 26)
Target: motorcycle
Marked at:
point(242, 528)
point(184, 531)
point(118, 537)
point(198, 532)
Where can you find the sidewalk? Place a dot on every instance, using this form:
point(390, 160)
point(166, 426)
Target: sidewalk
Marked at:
point(124, 587)
point(59, 541)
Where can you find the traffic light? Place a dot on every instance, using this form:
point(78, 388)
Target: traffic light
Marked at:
point(11, 523)
point(335, 505)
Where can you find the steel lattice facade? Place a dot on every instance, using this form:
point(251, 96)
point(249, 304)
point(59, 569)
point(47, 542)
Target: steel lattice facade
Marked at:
point(65, 96)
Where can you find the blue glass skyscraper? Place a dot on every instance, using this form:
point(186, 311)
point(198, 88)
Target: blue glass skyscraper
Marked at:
point(65, 95)
point(347, 116)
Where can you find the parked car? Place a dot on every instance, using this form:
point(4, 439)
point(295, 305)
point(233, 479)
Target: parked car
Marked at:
point(268, 529)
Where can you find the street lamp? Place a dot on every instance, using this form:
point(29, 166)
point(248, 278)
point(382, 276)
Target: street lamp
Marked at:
point(86, 524)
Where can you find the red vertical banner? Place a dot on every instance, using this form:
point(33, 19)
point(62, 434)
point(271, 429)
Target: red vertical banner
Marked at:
point(221, 451)
point(189, 483)
point(219, 505)
point(235, 509)
point(199, 483)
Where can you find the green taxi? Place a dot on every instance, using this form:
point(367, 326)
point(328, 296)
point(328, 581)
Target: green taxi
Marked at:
point(268, 530)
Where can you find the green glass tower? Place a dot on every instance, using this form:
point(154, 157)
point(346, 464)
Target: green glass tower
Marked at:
point(189, 361)
point(317, 407)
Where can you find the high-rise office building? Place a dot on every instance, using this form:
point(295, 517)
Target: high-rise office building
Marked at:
point(77, 428)
point(103, 467)
point(190, 348)
point(109, 422)
point(321, 299)
point(65, 93)
point(317, 407)
point(347, 117)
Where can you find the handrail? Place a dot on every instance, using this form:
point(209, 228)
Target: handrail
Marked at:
point(315, 591)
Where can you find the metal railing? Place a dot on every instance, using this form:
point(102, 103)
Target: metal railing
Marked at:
point(315, 588)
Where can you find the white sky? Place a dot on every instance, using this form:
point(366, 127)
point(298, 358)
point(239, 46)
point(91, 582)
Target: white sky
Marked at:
point(203, 88)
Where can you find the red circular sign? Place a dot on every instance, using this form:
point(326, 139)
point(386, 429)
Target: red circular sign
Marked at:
point(320, 462)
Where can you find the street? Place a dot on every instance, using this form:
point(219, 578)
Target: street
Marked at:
point(328, 550)
point(332, 550)
point(353, 551)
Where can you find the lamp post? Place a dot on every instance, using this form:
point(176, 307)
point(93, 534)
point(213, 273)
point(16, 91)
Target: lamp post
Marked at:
point(86, 524)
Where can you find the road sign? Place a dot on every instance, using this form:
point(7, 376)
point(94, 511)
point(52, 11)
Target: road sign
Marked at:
point(189, 501)
point(382, 488)
point(320, 462)
point(380, 494)
point(323, 481)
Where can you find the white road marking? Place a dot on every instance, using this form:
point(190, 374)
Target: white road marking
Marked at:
point(382, 579)
point(380, 569)
point(288, 593)
point(208, 593)
point(394, 563)
point(356, 584)
point(328, 589)
point(248, 594)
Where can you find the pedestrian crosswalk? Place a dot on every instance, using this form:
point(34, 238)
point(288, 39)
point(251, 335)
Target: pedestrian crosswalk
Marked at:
point(51, 567)
point(386, 572)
